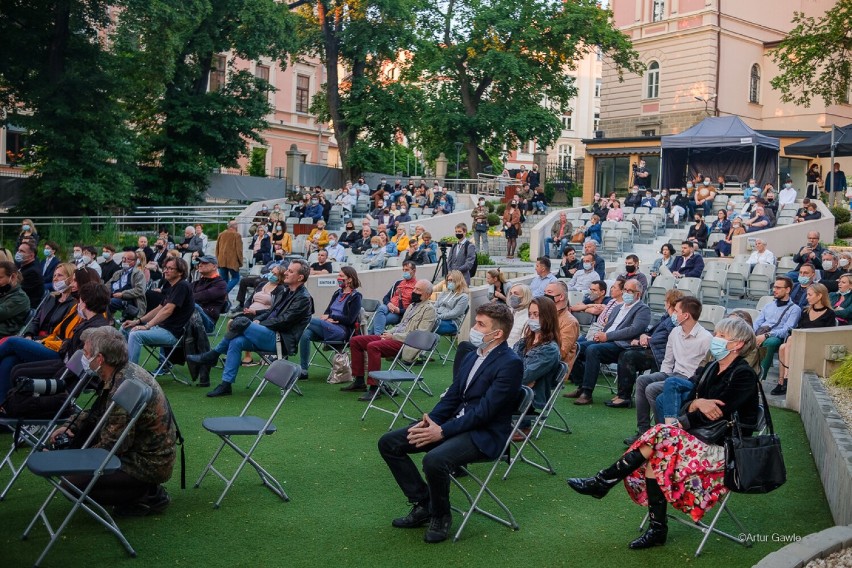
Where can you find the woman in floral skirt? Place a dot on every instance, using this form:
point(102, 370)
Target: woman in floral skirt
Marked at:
point(669, 463)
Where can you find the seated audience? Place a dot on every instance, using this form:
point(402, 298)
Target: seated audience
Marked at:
point(583, 279)
point(322, 265)
point(760, 254)
point(14, 303)
point(451, 305)
point(498, 287)
point(689, 264)
point(775, 321)
point(518, 300)
point(210, 292)
point(539, 350)
point(666, 259)
point(396, 301)
point(57, 305)
point(127, 288)
point(841, 301)
point(30, 273)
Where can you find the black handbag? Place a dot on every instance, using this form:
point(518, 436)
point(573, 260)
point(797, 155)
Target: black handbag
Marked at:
point(754, 464)
point(713, 433)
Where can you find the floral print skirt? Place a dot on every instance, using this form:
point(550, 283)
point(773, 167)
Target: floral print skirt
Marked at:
point(690, 473)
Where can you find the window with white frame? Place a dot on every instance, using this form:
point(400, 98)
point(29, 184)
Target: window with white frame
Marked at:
point(303, 93)
point(262, 72)
point(565, 155)
point(652, 81)
point(598, 89)
point(754, 84)
point(658, 9)
point(568, 121)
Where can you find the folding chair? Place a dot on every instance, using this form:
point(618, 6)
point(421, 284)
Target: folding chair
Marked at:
point(26, 428)
point(401, 372)
point(132, 396)
point(550, 407)
point(338, 347)
point(689, 286)
point(454, 341)
point(283, 374)
point(760, 280)
point(165, 367)
point(33, 313)
point(710, 316)
point(525, 398)
point(223, 317)
point(540, 418)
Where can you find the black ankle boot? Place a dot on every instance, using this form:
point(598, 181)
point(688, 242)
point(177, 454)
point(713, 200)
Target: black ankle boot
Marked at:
point(599, 485)
point(658, 528)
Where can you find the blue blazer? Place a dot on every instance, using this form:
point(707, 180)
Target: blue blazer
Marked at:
point(47, 273)
point(488, 403)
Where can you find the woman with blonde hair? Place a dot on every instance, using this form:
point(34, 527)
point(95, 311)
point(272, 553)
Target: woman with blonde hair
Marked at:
point(28, 231)
point(57, 305)
point(518, 299)
point(452, 304)
point(376, 255)
point(497, 288)
point(817, 314)
point(400, 239)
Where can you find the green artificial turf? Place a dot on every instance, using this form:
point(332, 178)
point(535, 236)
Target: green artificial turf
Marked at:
point(343, 499)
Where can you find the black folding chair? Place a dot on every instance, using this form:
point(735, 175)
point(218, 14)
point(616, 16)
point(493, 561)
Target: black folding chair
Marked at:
point(401, 372)
point(282, 374)
point(132, 396)
point(525, 399)
point(34, 432)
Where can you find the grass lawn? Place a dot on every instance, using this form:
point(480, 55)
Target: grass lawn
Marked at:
point(343, 498)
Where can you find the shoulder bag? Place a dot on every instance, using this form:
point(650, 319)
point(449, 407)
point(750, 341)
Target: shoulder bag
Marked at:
point(754, 464)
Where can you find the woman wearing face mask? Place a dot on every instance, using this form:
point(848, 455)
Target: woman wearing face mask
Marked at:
point(349, 236)
point(57, 305)
point(841, 301)
point(28, 231)
point(667, 259)
point(260, 301)
point(480, 226)
point(400, 239)
point(511, 227)
point(51, 262)
point(339, 319)
point(539, 350)
point(519, 299)
point(680, 205)
point(51, 352)
point(376, 256)
point(699, 232)
point(452, 304)
point(818, 314)
point(668, 464)
point(723, 247)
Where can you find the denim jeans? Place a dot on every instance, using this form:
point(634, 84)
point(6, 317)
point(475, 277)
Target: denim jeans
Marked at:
point(231, 276)
point(675, 392)
point(382, 319)
point(447, 327)
point(549, 240)
point(254, 338)
point(209, 324)
point(154, 336)
point(480, 240)
point(314, 332)
point(648, 388)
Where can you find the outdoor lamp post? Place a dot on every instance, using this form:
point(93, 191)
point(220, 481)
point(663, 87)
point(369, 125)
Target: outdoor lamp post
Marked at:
point(706, 100)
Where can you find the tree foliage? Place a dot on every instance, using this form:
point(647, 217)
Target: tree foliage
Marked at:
point(497, 73)
point(815, 59)
point(366, 106)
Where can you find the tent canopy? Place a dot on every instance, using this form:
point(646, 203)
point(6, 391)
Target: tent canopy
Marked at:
point(719, 131)
point(245, 188)
point(718, 146)
point(820, 145)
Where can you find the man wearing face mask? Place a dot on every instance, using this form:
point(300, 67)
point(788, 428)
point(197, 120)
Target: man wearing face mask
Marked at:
point(48, 267)
point(830, 272)
point(806, 279)
point(633, 200)
point(631, 270)
point(31, 280)
point(335, 250)
point(313, 210)
point(420, 315)
point(109, 263)
point(87, 258)
point(626, 323)
point(148, 455)
point(569, 327)
point(127, 288)
point(396, 301)
point(480, 226)
point(751, 189)
point(787, 196)
point(209, 292)
point(462, 255)
point(583, 279)
point(470, 423)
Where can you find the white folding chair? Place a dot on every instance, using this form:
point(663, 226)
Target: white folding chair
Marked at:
point(454, 341)
point(525, 399)
point(282, 374)
point(132, 396)
point(402, 372)
point(760, 280)
point(33, 431)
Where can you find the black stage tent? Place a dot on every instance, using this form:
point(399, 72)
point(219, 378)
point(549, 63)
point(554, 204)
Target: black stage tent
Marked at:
point(723, 145)
point(819, 146)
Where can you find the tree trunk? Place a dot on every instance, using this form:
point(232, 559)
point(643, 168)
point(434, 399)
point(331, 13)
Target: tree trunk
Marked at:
point(59, 41)
point(474, 164)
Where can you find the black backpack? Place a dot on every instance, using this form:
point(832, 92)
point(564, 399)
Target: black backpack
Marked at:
point(475, 260)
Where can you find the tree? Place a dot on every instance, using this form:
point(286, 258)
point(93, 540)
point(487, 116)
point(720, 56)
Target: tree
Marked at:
point(495, 74)
point(188, 124)
point(59, 83)
point(366, 106)
point(815, 59)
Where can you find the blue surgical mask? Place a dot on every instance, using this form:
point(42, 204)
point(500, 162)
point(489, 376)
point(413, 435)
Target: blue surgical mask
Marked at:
point(587, 266)
point(48, 253)
point(675, 321)
point(331, 243)
point(406, 275)
point(374, 246)
point(451, 286)
point(19, 257)
point(25, 227)
point(628, 297)
point(272, 278)
point(534, 325)
point(477, 338)
point(719, 348)
point(803, 280)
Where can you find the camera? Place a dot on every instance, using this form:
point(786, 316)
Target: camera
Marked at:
point(41, 386)
point(61, 442)
point(444, 246)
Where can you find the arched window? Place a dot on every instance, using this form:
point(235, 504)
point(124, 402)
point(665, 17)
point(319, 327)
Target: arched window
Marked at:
point(754, 84)
point(652, 81)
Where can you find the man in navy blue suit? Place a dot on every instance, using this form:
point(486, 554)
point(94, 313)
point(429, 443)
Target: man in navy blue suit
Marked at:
point(470, 423)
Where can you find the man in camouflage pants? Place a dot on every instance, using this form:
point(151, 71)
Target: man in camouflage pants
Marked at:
point(149, 456)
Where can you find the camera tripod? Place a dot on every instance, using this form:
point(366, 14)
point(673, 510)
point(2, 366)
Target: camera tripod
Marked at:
point(441, 268)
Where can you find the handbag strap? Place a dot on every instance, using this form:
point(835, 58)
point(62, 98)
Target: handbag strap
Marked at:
point(767, 416)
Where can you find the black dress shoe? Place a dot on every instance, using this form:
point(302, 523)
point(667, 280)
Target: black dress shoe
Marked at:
point(439, 529)
point(368, 396)
point(354, 387)
point(417, 517)
point(224, 389)
point(779, 389)
point(594, 486)
point(623, 404)
point(210, 358)
point(654, 536)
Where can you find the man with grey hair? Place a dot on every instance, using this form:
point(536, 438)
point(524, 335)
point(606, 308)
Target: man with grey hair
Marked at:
point(291, 311)
point(148, 454)
point(830, 272)
point(420, 314)
point(591, 247)
point(191, 242)
point(761, 254)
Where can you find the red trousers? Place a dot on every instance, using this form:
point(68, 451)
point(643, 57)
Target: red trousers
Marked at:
point(374, 347)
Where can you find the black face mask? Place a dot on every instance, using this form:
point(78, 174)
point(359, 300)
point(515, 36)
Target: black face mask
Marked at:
point(415, 297)
point(459, 236)
point(630, 268)
point(552, 298)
